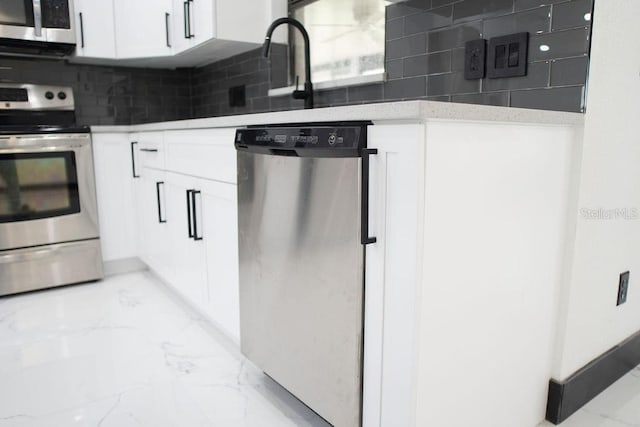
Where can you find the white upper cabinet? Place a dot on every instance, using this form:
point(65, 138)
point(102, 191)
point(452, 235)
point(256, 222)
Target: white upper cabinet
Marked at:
point(193, 23)
point(143, 28)
point(95, 29)
point(172, 33)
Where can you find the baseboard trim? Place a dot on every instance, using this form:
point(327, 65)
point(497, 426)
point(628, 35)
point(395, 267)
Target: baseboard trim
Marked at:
point(122, 266)
point(566, 397)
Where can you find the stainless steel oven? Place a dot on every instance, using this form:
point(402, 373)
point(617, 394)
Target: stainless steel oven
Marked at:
point(37, 23)
point(49, 233)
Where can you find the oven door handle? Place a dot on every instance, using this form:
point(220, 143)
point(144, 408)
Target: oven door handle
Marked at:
point(28, 256)
point(37, 17)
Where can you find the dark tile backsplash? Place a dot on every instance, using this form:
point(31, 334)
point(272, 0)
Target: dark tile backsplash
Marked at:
point(559, 33)
point(110, 95)
point(424, 60)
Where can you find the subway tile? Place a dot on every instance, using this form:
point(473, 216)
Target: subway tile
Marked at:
point(255, 53)
point(260, 104)
point(365, 93)
point(480, 9)
point(406, 88)
point(427, 64)
point(557, 99)
point(453, 37)
point(530, 4)
point(457, 59)
point(281, 103)
point(532, 21)
point(452, 83)
point(415, 66)
point(331, 97)
point(500, 99)
point(257, 90)
point(407, 8)
point(438, 3)
point(394, 69)
point(394, 29)
point(567, 72)
point(537, 77)
point(576, 13)
point(561, 44)
point(406, 46)
point(441, 98)
point(428, 20)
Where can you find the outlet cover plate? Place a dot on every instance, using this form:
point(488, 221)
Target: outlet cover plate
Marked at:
point(474, 59)
point(623, 288)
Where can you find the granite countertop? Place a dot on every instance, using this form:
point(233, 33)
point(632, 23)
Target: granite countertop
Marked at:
point(388, 112)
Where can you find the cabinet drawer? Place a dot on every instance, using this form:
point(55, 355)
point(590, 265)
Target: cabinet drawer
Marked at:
point(208, 153)
point(151, 151)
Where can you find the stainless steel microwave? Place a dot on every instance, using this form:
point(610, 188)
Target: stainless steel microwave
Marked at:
point(37, 24)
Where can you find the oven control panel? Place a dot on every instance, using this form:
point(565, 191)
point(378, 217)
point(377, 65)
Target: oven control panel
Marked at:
point(35, 97)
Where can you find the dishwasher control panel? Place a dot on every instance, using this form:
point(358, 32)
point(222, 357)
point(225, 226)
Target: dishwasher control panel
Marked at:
point(332, 140)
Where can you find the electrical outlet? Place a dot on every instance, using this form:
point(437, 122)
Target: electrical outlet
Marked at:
point(623, 287)
point(474, 59)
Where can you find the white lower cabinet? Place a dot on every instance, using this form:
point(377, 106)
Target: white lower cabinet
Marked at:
point(178, 216)
point(187, 247)
point(220, 221)
point(153, 223)
point(202, 245)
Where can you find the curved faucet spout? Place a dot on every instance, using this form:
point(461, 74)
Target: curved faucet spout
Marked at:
point(307, 93)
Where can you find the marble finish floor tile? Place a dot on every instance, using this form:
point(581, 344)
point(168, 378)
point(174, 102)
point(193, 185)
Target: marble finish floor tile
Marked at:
point(123, 352)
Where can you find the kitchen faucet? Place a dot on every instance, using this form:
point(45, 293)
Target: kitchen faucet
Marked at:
point(307, 93)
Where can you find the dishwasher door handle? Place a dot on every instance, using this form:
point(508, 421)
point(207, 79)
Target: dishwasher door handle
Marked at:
point(364, 198)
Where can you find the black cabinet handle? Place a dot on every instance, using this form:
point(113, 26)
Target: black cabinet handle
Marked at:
point(81, 30)
point(166, 23)
point(160, 220)
point(187, 30)
point(189, 213)
point(133, 159)
point(195, 216)
point(149, 150)
point(364, 200)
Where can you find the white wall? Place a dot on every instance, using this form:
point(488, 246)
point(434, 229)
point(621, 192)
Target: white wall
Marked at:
point(610, 179)
point(497, 199)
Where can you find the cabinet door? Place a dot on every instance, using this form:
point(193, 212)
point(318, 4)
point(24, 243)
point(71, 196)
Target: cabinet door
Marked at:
point(95, 29)
point(115, 194)
point(219, 207)
point(155, 243)
point(143, 28)
point(189, 276)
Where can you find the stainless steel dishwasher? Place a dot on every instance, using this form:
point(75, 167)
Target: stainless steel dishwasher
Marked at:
point(302, 218)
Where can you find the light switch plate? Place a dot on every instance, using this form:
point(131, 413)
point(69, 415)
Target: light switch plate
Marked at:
point(507, 56)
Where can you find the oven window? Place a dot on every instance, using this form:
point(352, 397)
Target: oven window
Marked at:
point(38, 185)
point(16, 12)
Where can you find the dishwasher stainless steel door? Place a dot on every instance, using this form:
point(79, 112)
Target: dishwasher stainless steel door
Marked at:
point(302, 262)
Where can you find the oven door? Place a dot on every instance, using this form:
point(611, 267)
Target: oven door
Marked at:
point(37, 20)
point(47, 190)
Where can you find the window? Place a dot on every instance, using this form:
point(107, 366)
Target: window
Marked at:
point(347, 38)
